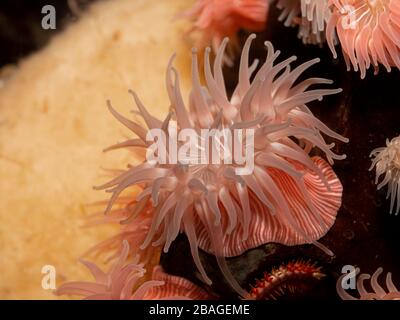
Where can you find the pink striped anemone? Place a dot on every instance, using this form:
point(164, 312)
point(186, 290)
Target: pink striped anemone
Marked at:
point(217, 19)
point(124, 281)
point(376, 292)
point(368, 31)
point(290, 198)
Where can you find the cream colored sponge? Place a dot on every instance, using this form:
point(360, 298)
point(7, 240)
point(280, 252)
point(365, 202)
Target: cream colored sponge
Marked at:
point(54, 124)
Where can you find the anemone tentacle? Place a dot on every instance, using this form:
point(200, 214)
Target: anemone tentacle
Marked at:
point(368, 31)
point(377, 292)
point(311, 16)
point(386, 160)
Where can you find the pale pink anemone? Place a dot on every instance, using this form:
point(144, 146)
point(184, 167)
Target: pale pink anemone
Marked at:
point(310, 15)
point(124, 281)
point(387, 162)
point(290, 198)
point(217, 19)
point(368, 31)
point(375, 292)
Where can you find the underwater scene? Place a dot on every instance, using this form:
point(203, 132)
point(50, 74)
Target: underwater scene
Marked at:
point(229, 150)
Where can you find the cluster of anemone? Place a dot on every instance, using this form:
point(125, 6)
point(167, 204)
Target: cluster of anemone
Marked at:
point(367, 30)
point(375, 292)
point(290, 197)
point(386, 160)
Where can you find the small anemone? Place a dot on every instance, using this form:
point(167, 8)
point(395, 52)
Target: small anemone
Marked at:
point(217, 19)
point(376, 292)
point(288, 279)
point(387, 163)
point(289, 198)
point(124, 281)
point(368, 32)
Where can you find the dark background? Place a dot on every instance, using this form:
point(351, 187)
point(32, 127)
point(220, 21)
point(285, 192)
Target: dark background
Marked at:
point(20, 26)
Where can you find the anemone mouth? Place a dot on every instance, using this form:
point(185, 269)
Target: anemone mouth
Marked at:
point(251, 267)
point(294, 280)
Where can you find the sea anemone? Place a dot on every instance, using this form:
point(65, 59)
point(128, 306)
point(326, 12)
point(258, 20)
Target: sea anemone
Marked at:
point(124, 281)
point(310, 15)
point(387, 162)
point(368, 31)
point(377, 292)
point(285, 280)
point(289, 198)
point(117, 284)
point(217, 19)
